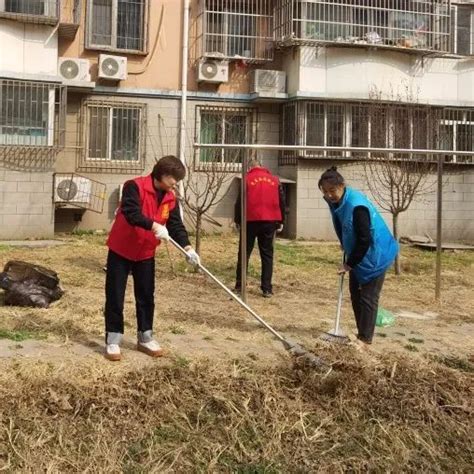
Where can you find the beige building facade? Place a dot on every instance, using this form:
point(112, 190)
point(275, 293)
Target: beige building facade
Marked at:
point(92, 92)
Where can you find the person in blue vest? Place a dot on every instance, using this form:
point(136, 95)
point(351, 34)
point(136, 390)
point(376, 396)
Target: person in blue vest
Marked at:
point(368, 244)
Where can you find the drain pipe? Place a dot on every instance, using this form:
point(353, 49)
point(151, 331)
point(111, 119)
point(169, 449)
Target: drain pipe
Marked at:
point(184, 94)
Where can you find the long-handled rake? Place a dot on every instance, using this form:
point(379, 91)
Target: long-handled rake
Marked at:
point(336, 334)
point(293, 348)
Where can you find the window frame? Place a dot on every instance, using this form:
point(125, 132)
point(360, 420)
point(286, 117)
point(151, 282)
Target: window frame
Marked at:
point(250, 133)
point(108, 163)
point(113, 48)
point(453, 124)
point(54, 118)
point(455, 11)
point(50, 16)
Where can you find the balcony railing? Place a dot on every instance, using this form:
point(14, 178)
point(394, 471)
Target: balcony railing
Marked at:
point(237, 29)
point(411, 25)
point(376, 125)
point(31, 11)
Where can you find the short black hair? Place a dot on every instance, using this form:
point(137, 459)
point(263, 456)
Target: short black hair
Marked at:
point(169, 165)
point(332, 177)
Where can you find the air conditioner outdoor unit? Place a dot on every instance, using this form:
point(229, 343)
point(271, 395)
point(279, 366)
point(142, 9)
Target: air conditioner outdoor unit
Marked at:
point(74, 69)
point(213, 70)
point(264, 81)
point(72, 189)
point(112, 67)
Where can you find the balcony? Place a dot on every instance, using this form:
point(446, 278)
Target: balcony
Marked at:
point(31, 11)
point(69, 18)
point(414, 26)
point(236, 29)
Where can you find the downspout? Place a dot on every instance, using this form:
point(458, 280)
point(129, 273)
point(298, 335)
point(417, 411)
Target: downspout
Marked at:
point(184, 94)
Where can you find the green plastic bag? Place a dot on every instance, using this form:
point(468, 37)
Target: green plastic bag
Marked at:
point(384, 318)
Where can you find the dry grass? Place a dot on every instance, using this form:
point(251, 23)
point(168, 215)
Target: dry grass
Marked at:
point(235, 411)
point(239, 417)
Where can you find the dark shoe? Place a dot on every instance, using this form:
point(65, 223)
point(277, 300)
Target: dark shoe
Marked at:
point(267, 294)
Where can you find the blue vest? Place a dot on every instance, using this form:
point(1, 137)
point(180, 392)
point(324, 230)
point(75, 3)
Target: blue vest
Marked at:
point(383, 247)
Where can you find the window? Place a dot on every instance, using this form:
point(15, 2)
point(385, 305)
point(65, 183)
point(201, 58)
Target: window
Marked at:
point(236, 28)
point(27, 113)
point(457, 133)
point(359, 127)
point(465, 30)
point(226, 126)
point(117, 24)
point(325, 126)
point(114, 134)
point(375, 125)
point(31, 7)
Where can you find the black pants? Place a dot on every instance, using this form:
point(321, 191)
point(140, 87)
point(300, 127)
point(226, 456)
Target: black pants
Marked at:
point(143, 272)
point(264, 232)
point(365, 303)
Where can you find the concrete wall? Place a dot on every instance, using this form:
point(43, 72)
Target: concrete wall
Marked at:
point(26, 204)
point(314, 221)
point(353, 73)
point(162, 134)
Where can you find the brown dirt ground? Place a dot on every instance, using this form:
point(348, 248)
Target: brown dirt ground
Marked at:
point(226, 398)
point(194, 318)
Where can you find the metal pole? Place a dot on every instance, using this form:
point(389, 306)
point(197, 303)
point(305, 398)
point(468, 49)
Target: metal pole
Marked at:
point(184, 96)
point(439, 227)
point(356, 149)
point(243, 230)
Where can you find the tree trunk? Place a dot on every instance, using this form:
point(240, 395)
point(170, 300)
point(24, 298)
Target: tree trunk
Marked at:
point(198, 232)
point(395, 234)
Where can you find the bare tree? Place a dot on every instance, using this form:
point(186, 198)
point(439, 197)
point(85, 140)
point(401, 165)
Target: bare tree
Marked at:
point(396, 180)
point(205, 186)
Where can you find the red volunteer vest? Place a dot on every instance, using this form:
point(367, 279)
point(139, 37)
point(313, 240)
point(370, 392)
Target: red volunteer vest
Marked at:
point(136, 243)
point(263, 197)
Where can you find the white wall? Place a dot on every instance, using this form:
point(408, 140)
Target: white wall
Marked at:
point(28, 49)
point(314, 220)
point(352, 73)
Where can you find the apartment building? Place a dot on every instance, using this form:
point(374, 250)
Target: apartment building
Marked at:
point(93, 91)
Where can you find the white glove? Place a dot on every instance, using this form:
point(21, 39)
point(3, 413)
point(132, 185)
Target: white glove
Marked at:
point(193, 257)
point(160, 231)
point(280, 228)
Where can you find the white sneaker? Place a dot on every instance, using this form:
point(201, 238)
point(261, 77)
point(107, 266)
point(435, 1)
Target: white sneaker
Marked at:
point(112, 352)
point(151, 348)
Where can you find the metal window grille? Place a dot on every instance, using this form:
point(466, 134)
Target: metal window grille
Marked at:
point(376, 125)
point(226, 125)
point(32, 114)
point(414, 25)
point(36, 11)
point(464, 29)
point(456, 132)
point(117, 24)
point(114, 137)
point(233, 29)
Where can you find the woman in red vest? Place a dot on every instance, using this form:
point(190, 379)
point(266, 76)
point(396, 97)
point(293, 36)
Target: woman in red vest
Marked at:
point(265, 211)
point(147, 215)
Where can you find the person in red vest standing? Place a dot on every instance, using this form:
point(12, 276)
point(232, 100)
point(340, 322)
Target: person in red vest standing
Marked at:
point(147, 215)
point(265, 211)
